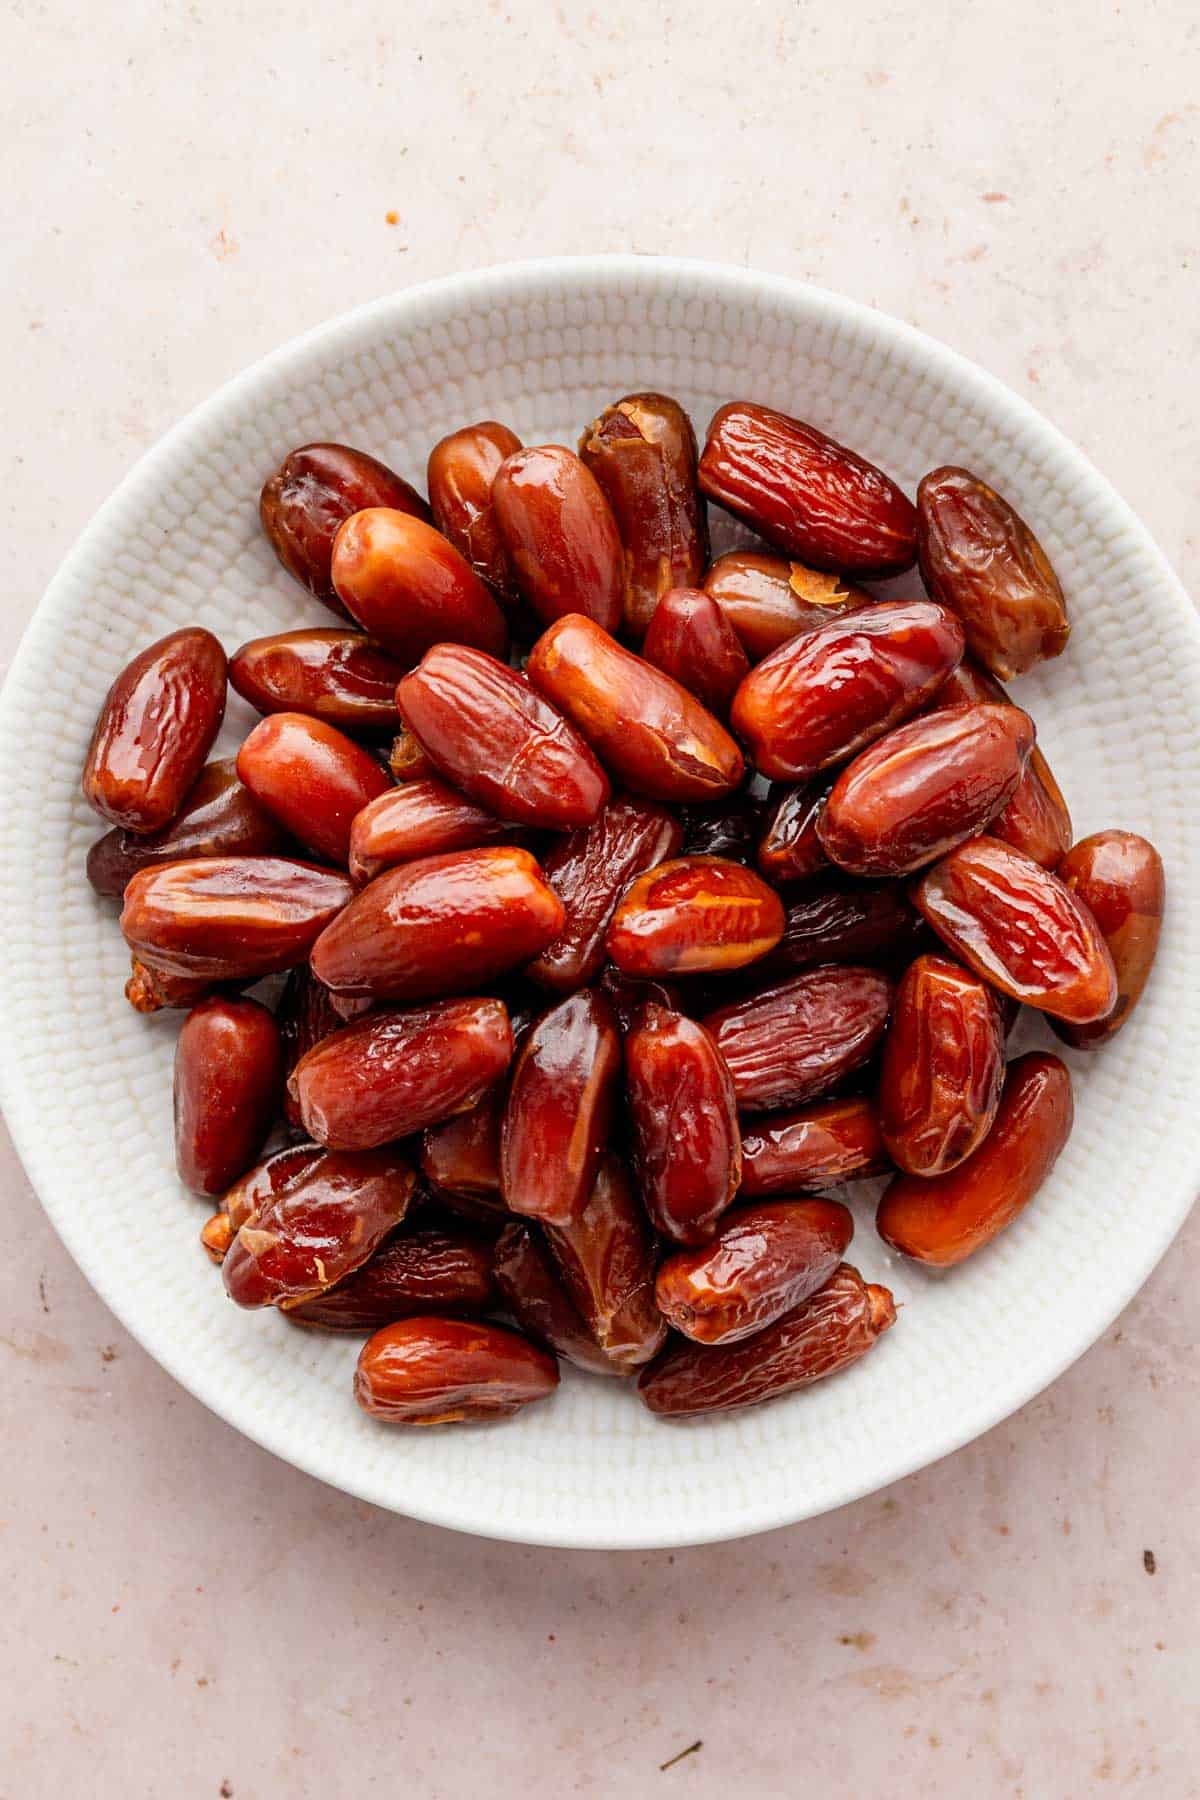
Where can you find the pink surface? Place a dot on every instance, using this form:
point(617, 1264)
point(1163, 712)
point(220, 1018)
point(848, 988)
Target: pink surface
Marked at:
point(183, 1615)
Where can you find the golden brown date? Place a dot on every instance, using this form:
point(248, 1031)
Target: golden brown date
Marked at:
point(220, 817)
point(534, 1293)
point(913, 794)
point(228, 1082)
point(407, 759)
point(312, 778)
point(439, 926)
point(229, 918)
point(489, 733)
point(462, 468)
point(411, 1272)
point(560, 1109)
point(416, 819)
point(941, 1219)
point(793, 1042)
point(817, 1147)
point(462, 1154)
point(589, 871)
point(690, 639)
point(692, 915)
point(768, 600)
point(825, 695)
point(406, 585)
point(833, 1327)
point(687, 1149)
point(314, 490)
point(326, 1217)
point(393, 1073)
point(1119, 878)
point(606, 1258)
point(333, 674)
point(981, 560)
point(1016, 924)
point(431, 1371)
point(305, 1014)
point(644, 727)
point(155, 729)
point(942, 1069)
point(560, 535)
point(806, 493)
point(642, 452)
point(764, 1261)
point(790, 848)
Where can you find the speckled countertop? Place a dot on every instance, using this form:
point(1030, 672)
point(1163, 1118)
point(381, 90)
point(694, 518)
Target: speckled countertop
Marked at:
point(183, 187)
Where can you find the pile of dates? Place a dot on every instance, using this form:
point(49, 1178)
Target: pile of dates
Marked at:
point(629, 903)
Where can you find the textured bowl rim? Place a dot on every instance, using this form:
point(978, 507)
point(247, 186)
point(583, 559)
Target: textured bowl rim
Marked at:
point(568, 274)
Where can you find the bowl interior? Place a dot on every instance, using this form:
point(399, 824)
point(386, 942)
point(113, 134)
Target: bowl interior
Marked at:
point(87, 1084)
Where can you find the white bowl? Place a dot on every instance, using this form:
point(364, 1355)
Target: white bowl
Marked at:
point(87, 1083)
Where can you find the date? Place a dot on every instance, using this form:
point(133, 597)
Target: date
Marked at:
point(312, 778)
point(228, 1082)
point(687, 1149)
point(314, 490)
point(606, 1258)
point(1119, 878)
point(560, 1109)
point(305, 1014)
point(693, 915)
point(535, 1295)
point(403, 582)
point(942, 1069)
point(836, 920)
point(764, 1261)
point(768, 600)
point(727, 827)
point(418, 819)
point(229, 918)
point(336, 675)
point(407, 759)
point(795, 1041)
point(690, 639)
point(462, 469)
point(817, 1147)
point(219, 817)
point(431, 1371)
point(790, 848)
point(462, 1154)
point(560, 535)
point(412, 1272)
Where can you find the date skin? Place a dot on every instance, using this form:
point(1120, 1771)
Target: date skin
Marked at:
point(642, 452)
point(764, 1261)
point(312, 778)
point(1119, 877)
point(827, 694)
point(314, 490)
point(229, 918)
point(647, 730)
point(263, 1184)
point(942, 1219)
point(690, 639)
point(589, 871)
point(560, 1109)
point(219, 817)
point(149, 990)
point(815, 1148)
point(305, 1014)
point(768, 600)
point(417, 819)
point(833, 1327)
point(560, 535)
point(434, 1371)
point(534, 1293)
point(606, 1258)
point(981, 560)
point(406, 585)
point(790, 848)
point(687, 1148)
point(333, 674)
point(1021, 929)
point(412, 1272)
point(807, 494)
point(321, 1224)
point(462, 1155)
point(462, 468)
point(795, 1041)
point(155, 730)
point(490, 734)
point(395, 1072)
point(923, 788)
point(228, 1082)
point(943, 1067)
point(693, 915)
point(442, 925)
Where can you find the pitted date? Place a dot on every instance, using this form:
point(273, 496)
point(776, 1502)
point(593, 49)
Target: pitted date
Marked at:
point(687, 1149)
point(561, 1102)
point(411, 1272)
point(765, 1260)
point(768, 600)
point(314, 490)
point(795, 1041)
point(943, 1067)
point(692, 915)
point(219, 817)
point(606, 1258)
point(817, 1147)
point(1119, 877)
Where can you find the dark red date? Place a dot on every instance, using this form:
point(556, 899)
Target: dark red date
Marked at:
point(339, 676)
point(692, 915)
point(1119, 878)
point(560, 535)
point(606, 1258)
point(412, 1272)
point(560, 1109)
point(155, 729)
point(220, 817)
point(462, 468)
point(229, 918)
point(228, 1083)
point(431, 1371)
point(405, 584)
point(537, 1298)
point(690, 638)
point(815, 1148)
point(313, 778)
point(687, 1149)
point(794, 1042)
point(315, 489)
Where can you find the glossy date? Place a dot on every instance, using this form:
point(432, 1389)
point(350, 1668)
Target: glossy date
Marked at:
point(765, 1260)
point(1119, 877)
point(793, 1042)
point(433, 1371)
point(693, 915)
point(942, 1069)
point(687, 1148)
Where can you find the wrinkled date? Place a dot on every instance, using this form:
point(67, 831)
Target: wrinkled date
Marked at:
point(836, 921)
point(690, 639)
point(413, 1272)
point(768, 600)
point(694, 914)
point(560, 1109)
point(835, 1326)
point(405, 584)
point(923, 788)
point(793, 1042)
point(229, 918)
point(1119, 878)
point(764, 1260)
point(817, 1147)
point(228, 1080)
point(1015, 924)
point(462, 468)
point(560, 535)
point(311, 494)
point(430, 1371)
point(809, 495)
point(943, 1067)
point(439, 926)
point(687, 1148)
point(535, 1295)
point(393, 1073)
point(305, 1014)
point(220, 817)
point(642, 452)
point(313, 778)
point(338, 676)
point(606, 1258)
point(155, 729)
point(647, 729)
point(942, 1219)
point(416, 819)
point(817, 700)
point(488, 732)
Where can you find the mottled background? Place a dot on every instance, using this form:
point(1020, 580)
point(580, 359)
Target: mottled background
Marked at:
point(181, 188)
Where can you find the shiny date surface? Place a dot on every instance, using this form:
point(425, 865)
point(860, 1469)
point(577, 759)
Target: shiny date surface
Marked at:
point(535, 1294)
point(436, 1371)
point(1119, 877)
point(768, 600)
point(219, 817)
point(561, 1103)
point(942, 1069)
point(312, 778)
point(228, 1084)
point(692, 915)
point(606, 1258)
point(336, 675)
point(403, 582)
point(687, 1148)
point(765, 1260)
point(795, 1041)
point(411, 1272)
point(690, 639)
point(417, 819)
point(816, 1147)
point(312, 493)
point(229, 918)
point(462, 468)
